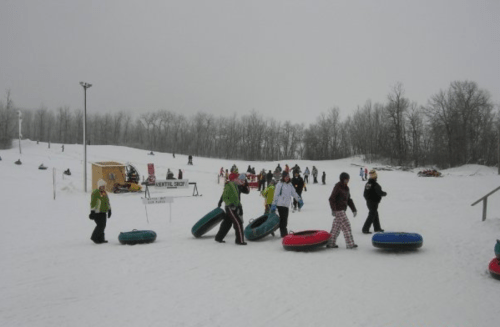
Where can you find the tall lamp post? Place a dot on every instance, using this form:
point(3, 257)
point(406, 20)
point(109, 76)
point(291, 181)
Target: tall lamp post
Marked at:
point(85, 87)
point(20, 115)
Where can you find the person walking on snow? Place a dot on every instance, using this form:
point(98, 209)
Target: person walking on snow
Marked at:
point(366, 173)
point(298, 185)
point(361, 173)
point(339, 200)
point(373, 195)
point(234, 210)
point(283, 192)
point(268, 194)
point(99, 207)
point(306, 175)
point(323, 178)
point(315, 174)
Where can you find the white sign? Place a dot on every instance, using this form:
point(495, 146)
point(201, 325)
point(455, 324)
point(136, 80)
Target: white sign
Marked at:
point(172, 183)
point(162, 199)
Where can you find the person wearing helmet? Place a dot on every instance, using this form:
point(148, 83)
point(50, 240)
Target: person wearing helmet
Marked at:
point(234, 210)
point(373, 195)
point(99, 207)
point(283, 192)
point(340, 199)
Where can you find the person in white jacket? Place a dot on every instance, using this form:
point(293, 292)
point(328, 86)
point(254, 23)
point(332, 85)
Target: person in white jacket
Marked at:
point(283, 194)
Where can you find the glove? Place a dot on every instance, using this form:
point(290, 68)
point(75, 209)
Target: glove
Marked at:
point(273, 208)
point(354, 214)
point(301, 203)
point(92, 215)
point(333, 213)
point(385, 194)
point(305, 189)
point(109, 213)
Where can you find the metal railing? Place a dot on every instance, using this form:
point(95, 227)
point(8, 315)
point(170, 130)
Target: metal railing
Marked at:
point(485, 202)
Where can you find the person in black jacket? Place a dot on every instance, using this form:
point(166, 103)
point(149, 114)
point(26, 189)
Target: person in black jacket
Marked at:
point(269, 178)
point(299, 185)
point(373, 194)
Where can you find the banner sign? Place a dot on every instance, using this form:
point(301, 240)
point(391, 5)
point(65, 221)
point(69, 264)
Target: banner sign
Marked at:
point(172, 183)
point(162, 199)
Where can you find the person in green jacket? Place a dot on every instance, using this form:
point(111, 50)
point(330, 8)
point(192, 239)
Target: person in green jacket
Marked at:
point(99, 208)
point(268, 194)
point(234, 210)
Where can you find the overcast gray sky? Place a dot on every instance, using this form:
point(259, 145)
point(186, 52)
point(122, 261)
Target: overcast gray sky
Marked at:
point(289, 60)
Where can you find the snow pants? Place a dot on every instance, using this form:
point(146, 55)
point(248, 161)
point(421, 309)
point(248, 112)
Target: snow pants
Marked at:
point(98, 234)
point(232, 218)
point(306, 178)
point(341, 223)
point(372, 217)
point(283, 213)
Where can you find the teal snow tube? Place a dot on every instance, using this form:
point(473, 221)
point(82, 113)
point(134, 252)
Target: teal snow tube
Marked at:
point(208, 222)
point(137, 237)
point(262, 226)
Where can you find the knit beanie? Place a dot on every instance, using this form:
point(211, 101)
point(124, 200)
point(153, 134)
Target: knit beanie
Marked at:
point(101, 182)
point(373, 174)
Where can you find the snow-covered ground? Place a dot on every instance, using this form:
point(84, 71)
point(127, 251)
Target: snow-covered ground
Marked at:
point(53, 275)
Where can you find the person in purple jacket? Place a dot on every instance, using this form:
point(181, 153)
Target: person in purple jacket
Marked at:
point(339, 200)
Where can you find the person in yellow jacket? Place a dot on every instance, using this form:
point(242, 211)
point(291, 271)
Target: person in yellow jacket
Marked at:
point(99, 208)
point(268, 194)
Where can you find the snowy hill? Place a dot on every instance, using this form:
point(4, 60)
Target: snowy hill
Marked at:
point(53, 275)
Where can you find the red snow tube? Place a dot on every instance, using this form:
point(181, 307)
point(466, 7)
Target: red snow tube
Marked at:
point(495, 268)
point(306, 240)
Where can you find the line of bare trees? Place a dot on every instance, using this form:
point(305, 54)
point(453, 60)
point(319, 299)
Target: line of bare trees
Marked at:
point(459, 125)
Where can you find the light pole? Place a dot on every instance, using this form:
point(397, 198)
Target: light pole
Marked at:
point(20, 115)
point(85, 87)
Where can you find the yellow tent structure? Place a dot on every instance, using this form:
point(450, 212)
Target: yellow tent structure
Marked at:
point(110, 171)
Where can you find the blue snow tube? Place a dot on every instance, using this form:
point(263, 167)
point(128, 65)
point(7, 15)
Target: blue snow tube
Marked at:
point(137, 237)
point(208, 222)
point(397, 241)
point(262, 226)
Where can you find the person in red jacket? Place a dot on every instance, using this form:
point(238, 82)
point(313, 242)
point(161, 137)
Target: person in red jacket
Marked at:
point(234, 175)
point(339, 200)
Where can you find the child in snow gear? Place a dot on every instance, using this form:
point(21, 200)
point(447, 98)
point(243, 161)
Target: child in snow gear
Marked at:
point(323, 178)
point(268, 194)
point(299, 185)
point(190, 160)
point(99, 207)
point(339, 200)
point(366, 173)
point(373, 195)
point(179, 176)
point(234, 210)
point(282, 195)
point(361, 173)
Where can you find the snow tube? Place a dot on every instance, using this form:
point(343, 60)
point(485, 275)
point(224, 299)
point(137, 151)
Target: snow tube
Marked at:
point(397, 241)
point(497, 249)
point(494, 268)
point(137, 237)
point(306, 240)
point(262, 226)
point(208, 222)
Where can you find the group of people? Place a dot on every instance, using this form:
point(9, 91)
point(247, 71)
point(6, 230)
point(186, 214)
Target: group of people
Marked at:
point(340, 199)
point(278, 197)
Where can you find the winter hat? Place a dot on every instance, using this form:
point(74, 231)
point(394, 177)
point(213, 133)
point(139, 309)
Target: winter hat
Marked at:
point(344, 176)
point(284, 174)
point(101, 182)
point(373, 174)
